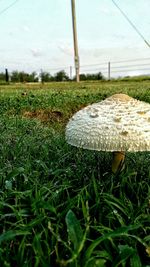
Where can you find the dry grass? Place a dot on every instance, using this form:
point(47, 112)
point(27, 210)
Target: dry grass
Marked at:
point(44, 115)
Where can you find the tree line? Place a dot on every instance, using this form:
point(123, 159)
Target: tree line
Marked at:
point(22, 77)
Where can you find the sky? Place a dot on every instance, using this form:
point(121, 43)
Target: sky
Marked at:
point(37, 35)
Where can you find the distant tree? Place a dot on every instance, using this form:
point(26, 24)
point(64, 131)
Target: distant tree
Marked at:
point(90, 76)
point(100, 76)
point(95, 76)
point(2, 77)
point(83, 77)
point(61, 76)
point(15, 76)
point(33, 77)
point(46, 77)
point(22, 76)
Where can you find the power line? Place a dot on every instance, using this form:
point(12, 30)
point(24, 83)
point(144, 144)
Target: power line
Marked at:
point(131, 23)
point(120, 70)
point(126, 70)
point(60, 68)
point(97, 64)
point(8, 7)
point(114, 62)
point(132, 65)
point(130, 60)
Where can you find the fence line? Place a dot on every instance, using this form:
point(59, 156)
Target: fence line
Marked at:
point(109, 69)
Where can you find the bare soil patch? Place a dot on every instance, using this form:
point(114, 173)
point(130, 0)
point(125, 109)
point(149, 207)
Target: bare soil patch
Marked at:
point(44, 115)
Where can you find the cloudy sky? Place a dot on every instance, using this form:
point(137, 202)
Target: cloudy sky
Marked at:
point(37, 34)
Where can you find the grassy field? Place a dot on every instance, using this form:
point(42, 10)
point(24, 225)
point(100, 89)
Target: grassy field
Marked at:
point(60, 205)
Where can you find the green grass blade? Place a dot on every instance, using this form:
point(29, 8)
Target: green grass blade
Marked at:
point(122, 231)
point(135, 261)
point(9, 235)
point(74, 229)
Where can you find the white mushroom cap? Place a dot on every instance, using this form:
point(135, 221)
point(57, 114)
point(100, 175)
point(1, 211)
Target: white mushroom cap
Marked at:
point(118, 123)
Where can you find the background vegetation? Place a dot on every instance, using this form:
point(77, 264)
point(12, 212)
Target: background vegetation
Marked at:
point(60, 76)
point(21, 76)
point(60, 205)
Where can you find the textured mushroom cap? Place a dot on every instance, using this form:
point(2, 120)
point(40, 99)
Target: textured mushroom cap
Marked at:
point(118, 123)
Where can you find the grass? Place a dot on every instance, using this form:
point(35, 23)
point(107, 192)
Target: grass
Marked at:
point(59, 205)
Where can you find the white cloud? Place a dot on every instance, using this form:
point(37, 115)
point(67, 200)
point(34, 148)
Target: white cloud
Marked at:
point(25, 28)
point(107, 11)
point(36, 52)
point(66, 49)
point(119, 36)
point(104, 10)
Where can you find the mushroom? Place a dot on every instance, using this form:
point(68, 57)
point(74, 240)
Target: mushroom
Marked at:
point(118, 124)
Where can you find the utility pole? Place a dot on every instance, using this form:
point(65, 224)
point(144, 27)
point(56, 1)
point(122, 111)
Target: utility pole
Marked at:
point(76, 55)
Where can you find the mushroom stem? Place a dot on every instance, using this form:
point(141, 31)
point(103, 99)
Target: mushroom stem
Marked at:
point(118, 161)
